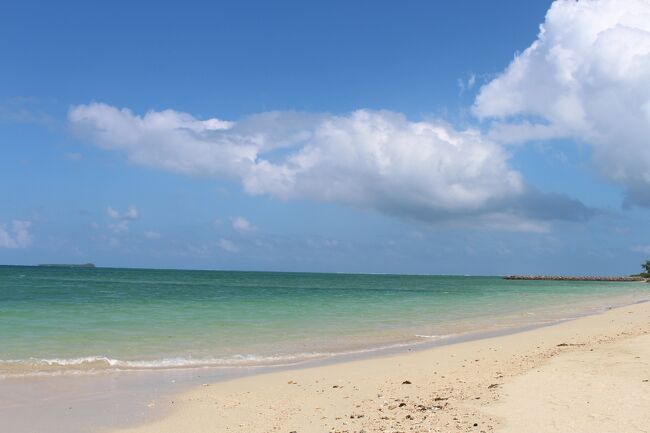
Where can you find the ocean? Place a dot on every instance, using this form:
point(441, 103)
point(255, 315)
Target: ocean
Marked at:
point(58, 321)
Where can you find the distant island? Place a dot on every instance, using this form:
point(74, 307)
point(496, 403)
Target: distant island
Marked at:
point(66, 265)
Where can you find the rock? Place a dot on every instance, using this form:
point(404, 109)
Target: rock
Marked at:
point(572, 278)
point(402, 404)
point(494, 385)
point(406, 382)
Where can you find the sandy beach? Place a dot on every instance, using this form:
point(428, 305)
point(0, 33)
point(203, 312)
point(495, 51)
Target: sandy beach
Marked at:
point(586, 375)
point(325, 217)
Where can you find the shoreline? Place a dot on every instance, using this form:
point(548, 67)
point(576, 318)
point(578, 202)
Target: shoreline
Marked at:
point(146, 395)
point(484, 327)
point(449, 384)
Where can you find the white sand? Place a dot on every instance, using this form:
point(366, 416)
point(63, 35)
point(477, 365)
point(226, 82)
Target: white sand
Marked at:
point(588, 375)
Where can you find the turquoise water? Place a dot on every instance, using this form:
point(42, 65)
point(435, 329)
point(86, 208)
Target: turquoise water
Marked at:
point(67, 319)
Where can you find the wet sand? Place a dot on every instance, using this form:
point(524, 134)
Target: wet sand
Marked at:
point(586, 375)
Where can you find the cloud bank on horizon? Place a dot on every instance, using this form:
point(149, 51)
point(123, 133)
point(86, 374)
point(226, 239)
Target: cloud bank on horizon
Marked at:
point(586, 77)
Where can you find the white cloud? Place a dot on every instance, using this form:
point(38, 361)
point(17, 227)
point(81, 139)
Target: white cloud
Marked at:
point(167, 139)
point(120, 226)
point(15, 236)
point(586, 77)
point(131, 213)
point(471, 81)
point(377, 160)
point(382, 161)
point(242, 225)
point(227, 245)
point(467, 84)
point(112, 213)
point(331, 243)
point(122, 220)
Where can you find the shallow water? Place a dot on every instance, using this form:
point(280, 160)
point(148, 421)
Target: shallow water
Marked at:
point(69, 320)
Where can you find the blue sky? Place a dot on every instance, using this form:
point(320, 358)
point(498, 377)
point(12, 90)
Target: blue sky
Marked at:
point(333, 136)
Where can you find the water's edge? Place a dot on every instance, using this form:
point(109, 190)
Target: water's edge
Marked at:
point(114, 399)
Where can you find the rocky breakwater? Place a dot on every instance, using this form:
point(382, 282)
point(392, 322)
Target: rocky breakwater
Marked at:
point(574, 278)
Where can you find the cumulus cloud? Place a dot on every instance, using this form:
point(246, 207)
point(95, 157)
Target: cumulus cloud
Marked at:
point(242, 225)
point(121, 220)
point(15, 236)
point(131, 213)
point(586, 77)
point(377, 160)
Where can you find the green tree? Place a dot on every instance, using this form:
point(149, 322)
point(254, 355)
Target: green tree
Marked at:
point(646, 266)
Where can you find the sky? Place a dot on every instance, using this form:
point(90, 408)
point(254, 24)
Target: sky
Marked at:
point(369, 136)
